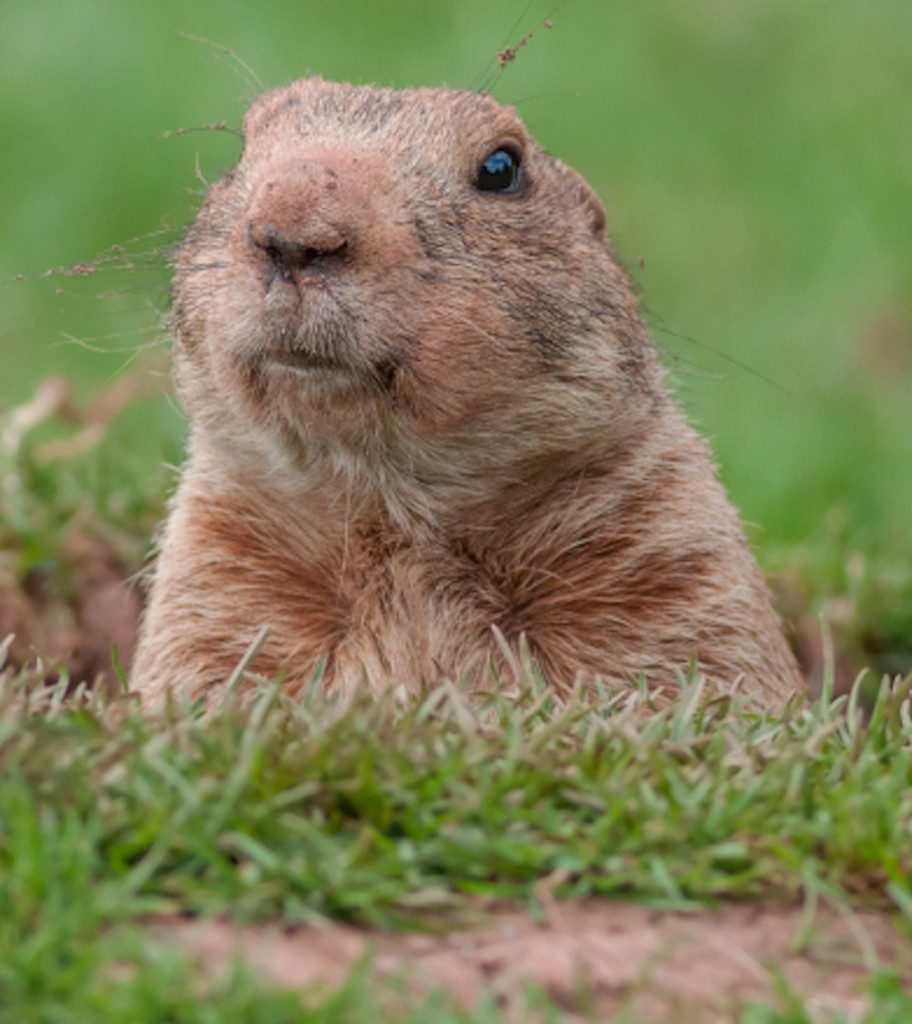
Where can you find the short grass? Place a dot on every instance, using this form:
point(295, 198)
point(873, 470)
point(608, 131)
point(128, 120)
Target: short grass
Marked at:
point(410, 814)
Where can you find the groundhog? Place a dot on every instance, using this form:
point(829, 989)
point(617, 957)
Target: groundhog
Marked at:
point(426, 421)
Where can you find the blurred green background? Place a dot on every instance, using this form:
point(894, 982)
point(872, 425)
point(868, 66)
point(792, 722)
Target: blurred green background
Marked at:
point(755, 158)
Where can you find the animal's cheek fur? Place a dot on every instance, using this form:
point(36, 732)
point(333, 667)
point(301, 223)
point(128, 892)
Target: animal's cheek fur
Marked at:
point(467, 362)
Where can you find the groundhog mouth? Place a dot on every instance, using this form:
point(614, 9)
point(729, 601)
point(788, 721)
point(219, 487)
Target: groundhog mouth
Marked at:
point(307, 362)
point(325, 369)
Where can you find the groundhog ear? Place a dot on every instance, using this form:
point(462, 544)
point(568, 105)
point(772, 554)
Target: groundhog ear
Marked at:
point(598, 219)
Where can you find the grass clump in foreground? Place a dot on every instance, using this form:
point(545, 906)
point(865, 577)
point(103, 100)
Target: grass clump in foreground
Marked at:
point(384, 813)
point(375, 812)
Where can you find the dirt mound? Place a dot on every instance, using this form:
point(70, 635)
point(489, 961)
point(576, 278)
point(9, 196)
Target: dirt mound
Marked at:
point(591, 956)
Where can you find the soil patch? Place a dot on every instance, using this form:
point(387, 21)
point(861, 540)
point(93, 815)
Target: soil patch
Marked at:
point(588, 956)
point(74, 626)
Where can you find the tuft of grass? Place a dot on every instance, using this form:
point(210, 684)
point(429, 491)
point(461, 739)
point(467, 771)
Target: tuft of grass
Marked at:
point(77, 511)
point(102, 491)
point(382, 813)
point(860, 584)
point(887, 1003)
point(392, 814)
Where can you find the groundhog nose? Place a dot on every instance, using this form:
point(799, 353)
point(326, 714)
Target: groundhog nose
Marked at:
point(299, 222)
point(288, 257)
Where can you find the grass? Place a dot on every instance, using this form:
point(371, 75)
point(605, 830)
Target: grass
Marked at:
point(859, 584)
point(296, 810)
point(43, 504)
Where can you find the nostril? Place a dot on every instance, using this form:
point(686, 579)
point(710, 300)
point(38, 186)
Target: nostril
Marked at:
point(277, 263)
point(286, 258)
point(311, 254)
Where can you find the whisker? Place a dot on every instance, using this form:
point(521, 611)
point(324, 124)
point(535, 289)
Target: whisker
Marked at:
point(72, 339)
point(726, 357)
point(240, 65)
point(489, 67)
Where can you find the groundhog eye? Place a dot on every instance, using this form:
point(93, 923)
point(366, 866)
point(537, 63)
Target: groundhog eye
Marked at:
point(499, 172)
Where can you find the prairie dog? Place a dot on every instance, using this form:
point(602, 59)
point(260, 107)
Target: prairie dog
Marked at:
point(423, 409)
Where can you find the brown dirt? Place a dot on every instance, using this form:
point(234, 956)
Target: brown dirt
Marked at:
point(590, 956)
point(76, 628)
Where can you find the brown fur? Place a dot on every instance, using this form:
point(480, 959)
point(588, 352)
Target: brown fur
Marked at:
point(481, 438)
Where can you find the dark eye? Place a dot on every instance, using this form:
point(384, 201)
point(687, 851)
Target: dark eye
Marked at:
point(499, 172)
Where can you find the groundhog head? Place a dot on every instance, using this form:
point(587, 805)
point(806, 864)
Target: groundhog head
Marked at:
point(404, 272)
